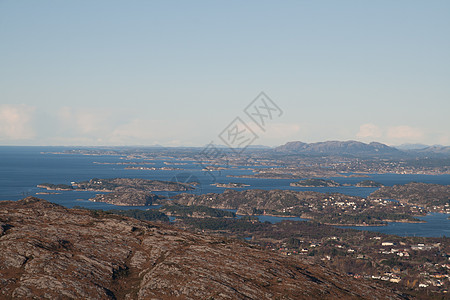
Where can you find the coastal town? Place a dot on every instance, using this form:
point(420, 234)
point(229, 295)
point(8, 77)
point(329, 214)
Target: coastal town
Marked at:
point(414, 265)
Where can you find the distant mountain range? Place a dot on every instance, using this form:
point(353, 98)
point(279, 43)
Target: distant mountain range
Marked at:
point(411, 146)
point(421, 148)
point(338, 148)
point(356, 148)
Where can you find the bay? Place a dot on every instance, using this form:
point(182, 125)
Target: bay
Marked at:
point(22, 168)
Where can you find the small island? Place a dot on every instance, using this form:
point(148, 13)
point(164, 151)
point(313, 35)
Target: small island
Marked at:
point(47, 193)
point(55, 187)
point(124, 191)
point(315, 182)
point(153, 168)
point(368, 183)
point(230, 185)
point(112, 184)
point(129, 197)
point(213, 168)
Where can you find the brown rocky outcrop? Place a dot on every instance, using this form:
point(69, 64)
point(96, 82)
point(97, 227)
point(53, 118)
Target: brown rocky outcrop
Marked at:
point(51, 252)
point(415, 193)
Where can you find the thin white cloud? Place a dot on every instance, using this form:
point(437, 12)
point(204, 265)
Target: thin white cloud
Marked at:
point(16, 122)
point(392, 135)
point(282, 130)
point(276, 133)
point(405, 132)
point(444, 140)
point(279, 133)
point(146, 132)
point(85, 121)
point(109, 127)
point(369, 130)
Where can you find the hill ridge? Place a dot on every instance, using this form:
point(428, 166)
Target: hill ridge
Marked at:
point(48, 251)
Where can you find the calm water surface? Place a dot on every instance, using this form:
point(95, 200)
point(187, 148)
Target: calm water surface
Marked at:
point(22, 168)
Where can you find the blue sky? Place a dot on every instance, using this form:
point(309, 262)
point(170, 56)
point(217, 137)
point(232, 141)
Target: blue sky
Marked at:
point(178, 72)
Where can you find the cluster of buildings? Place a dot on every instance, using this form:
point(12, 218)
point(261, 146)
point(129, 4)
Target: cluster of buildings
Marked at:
point(432, 274)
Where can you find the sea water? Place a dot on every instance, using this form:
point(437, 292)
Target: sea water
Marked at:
point(23, 168)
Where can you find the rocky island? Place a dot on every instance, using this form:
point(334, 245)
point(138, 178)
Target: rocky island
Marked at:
point(368, 183)
point(335, 208)
point(123, 191)
point(315, 183)
point(55, 187)
point(129, 197)
point(113, 184)
point(434, 197)
point(230, 185)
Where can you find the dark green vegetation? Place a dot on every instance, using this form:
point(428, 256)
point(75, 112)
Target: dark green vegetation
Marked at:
point(240, 227)
point(402, 263)
point(162, 214)
point(196, 211)
point(372, 218)
point(146, 215)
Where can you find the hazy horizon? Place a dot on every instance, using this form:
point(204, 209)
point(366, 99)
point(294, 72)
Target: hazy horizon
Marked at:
point(405, 146)
point(109, 73)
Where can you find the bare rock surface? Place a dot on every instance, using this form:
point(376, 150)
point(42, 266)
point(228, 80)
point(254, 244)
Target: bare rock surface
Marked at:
point(128, 197)
point(415, 193)
point(50, 252)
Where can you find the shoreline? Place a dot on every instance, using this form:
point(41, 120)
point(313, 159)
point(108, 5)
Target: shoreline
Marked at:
point(308, 219)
